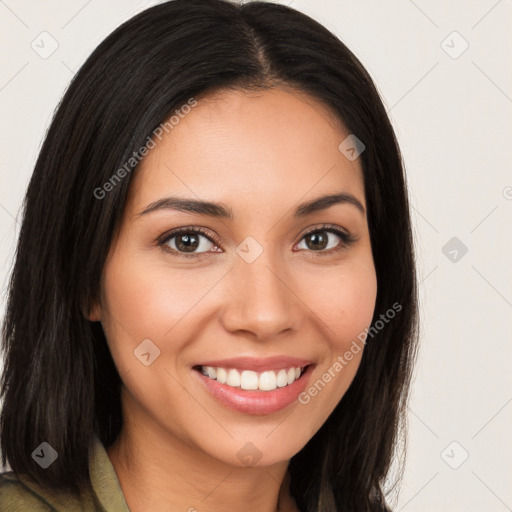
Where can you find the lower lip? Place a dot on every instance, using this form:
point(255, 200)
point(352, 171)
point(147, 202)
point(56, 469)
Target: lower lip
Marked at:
point(253, 401)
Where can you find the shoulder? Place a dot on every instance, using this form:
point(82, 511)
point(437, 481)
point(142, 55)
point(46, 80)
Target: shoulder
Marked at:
point(20, 494)
point(15, 496)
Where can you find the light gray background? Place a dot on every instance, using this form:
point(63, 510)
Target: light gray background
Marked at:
point(452, 115)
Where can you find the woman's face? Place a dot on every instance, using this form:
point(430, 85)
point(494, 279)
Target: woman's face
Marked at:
point(252, 286)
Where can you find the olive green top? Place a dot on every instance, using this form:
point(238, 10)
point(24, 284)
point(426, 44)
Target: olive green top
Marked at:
point(19, 494)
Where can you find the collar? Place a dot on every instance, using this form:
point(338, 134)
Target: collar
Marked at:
point(104, 479)
point(107, 493)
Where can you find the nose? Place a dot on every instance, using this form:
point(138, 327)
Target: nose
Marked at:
point(261, 299)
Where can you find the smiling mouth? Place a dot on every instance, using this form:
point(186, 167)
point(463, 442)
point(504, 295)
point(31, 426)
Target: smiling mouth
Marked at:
point(268, 380)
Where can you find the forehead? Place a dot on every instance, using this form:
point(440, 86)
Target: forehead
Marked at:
point(249, 149)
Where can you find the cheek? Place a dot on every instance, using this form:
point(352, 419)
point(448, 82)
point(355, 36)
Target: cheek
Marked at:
point(143, 296)
point(344, 300)
point(150, 301)
point(357, 303)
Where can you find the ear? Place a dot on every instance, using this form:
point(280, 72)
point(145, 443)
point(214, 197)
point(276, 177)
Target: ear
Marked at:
point(93, 312)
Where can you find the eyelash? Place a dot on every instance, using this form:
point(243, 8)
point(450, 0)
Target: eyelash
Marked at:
point(347, 239)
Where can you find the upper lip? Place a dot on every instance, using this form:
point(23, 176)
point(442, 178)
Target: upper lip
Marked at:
point(258, 364)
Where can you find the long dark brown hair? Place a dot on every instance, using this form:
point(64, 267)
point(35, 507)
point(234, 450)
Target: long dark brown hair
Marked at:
point(59, 382)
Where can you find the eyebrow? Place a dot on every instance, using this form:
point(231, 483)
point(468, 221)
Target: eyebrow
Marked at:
point(218, 210)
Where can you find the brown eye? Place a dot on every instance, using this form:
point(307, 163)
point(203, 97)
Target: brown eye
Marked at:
point(187, 242)
point(327, 240)
point(317, 240)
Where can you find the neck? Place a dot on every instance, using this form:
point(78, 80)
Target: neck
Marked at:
point(159, 472)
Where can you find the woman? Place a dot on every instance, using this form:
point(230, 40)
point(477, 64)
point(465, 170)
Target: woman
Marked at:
point(213, 304)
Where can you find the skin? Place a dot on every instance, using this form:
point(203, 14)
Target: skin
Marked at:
point(261, 154)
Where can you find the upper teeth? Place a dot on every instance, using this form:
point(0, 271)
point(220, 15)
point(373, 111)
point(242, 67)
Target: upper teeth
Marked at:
point(247, 379)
